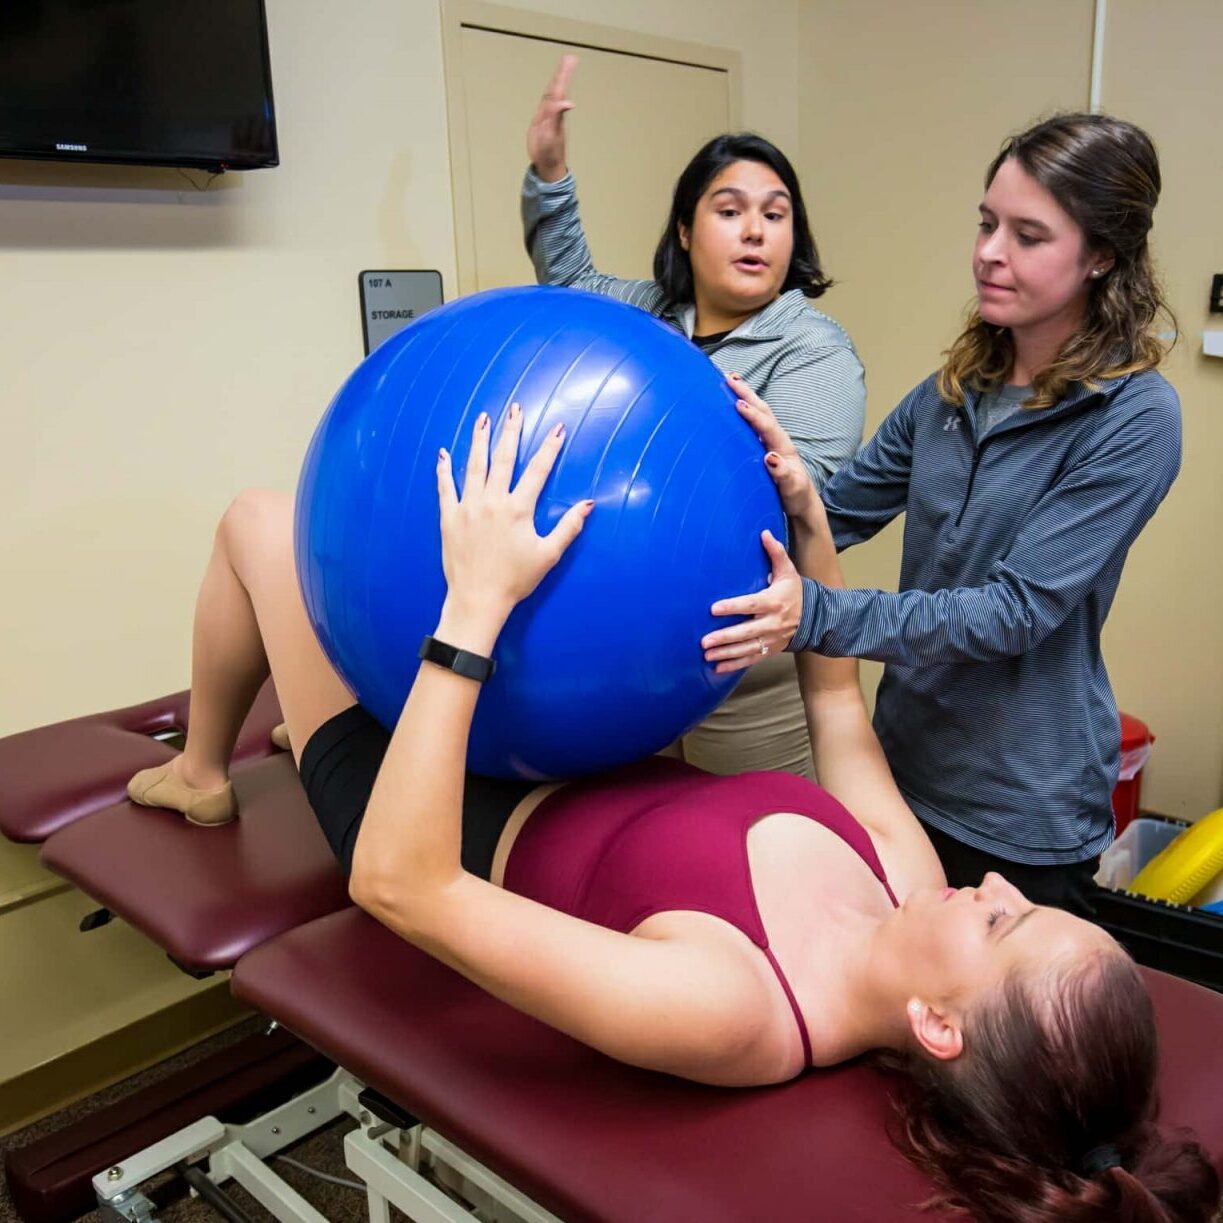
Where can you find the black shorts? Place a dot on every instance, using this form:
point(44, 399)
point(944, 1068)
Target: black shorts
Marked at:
point(338, 768)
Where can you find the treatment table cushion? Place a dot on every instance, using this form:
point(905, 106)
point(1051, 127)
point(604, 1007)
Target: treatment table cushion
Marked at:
point(586, 1137)
point(589, 1138)
point(51, 776)
point(208, 895)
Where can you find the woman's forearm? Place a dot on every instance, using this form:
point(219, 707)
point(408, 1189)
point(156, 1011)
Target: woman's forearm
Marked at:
point(815, 556)
point(409, 848)
point(552, 231)
point(844, 749)
point(410, 839)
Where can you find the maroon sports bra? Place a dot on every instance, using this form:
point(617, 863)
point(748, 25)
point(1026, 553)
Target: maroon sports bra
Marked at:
point(662, 836)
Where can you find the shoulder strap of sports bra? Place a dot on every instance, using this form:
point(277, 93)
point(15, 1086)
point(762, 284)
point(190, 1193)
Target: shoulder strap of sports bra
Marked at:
point(798, 1015)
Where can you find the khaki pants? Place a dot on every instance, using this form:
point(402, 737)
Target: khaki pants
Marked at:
point(761, 725)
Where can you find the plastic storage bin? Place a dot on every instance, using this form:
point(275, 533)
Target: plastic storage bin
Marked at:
point(1184, 941)
point(1136, 741)
point(1134, 848)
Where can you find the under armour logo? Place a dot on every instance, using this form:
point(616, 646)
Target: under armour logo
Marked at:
point(953, 423)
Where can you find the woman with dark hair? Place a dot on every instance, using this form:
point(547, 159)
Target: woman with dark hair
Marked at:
point(1025, 467)
point(732, 930)
point(733, 271)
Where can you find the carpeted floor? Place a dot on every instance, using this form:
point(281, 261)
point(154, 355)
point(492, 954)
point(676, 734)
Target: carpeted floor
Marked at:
point(322, 1151)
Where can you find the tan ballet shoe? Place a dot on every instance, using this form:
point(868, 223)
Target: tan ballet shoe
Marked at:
point(160, 787)
point(280, 737)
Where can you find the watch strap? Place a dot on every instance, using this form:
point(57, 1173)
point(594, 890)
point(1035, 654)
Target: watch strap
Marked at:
point(461, 662)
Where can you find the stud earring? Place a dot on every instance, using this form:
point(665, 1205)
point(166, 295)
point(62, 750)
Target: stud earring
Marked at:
point(1097, 272)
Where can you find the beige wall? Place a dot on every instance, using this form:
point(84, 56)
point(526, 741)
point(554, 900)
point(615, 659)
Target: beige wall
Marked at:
point(902, 107)
point(163, 348)
point(1164, 640)
point(763, 34)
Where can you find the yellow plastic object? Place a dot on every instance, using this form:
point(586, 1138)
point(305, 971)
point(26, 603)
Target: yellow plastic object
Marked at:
point(1187, 865)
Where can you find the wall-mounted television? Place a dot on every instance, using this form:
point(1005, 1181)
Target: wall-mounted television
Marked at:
point(155, 82)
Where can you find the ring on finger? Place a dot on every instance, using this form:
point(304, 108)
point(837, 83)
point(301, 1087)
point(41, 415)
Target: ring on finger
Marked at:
point(764, 649)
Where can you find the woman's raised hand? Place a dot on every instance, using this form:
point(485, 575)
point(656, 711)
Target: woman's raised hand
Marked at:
point(546, 135)
point(491, 554)
point(799, 497)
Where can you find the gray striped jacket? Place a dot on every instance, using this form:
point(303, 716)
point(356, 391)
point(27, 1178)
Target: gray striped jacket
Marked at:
point(995, 709)
point(795, 358)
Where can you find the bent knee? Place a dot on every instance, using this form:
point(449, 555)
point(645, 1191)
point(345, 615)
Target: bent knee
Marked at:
point(254, 516)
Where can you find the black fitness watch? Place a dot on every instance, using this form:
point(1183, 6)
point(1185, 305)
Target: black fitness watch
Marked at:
point(461, 662)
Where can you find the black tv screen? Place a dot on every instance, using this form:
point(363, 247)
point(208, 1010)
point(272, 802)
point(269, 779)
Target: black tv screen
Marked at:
point(159, 82)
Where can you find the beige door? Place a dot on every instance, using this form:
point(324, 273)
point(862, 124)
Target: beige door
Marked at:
point(640, 115)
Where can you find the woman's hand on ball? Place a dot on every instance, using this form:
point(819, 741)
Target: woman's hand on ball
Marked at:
point(492, 555)
point(546, 134)
point(773, 616)
point(799, 497)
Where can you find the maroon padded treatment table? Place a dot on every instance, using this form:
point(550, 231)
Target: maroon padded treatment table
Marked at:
point(584, 1137)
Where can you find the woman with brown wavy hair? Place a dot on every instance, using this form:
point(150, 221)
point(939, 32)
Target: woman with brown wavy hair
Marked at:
point(1025, 468)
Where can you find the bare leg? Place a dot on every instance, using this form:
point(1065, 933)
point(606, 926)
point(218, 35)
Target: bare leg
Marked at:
point(249, 616)
point(228, 665)
point(258, 533)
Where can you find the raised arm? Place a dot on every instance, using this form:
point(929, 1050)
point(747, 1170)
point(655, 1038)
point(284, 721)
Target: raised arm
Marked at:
point(681, 1006)
point(551, 225)
point(410, 837)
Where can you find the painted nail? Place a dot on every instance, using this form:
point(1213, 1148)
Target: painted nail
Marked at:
point(441, 455)
point(559, 431)
point(515, 411)
point(482, 421)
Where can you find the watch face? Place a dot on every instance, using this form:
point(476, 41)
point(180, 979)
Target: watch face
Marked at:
point(446, 654)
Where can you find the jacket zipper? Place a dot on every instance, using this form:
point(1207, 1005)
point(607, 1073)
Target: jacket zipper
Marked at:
point(976, 459)
point(972, 475)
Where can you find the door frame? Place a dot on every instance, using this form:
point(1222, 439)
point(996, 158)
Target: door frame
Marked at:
point(500, 19)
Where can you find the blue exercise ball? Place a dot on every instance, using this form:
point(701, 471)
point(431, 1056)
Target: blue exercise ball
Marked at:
point(602, 664)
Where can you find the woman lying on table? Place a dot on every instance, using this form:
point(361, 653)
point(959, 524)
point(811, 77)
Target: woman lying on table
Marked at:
point(731, 930)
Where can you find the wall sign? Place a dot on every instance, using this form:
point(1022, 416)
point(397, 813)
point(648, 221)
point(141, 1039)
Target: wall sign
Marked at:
point(391, 300)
